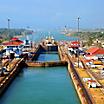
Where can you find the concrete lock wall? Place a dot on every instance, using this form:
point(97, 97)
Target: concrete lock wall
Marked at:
point(9, 78)
point(44, 64)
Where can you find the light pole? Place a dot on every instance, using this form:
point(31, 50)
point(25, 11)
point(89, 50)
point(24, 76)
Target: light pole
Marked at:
point(78, 19)
point(9, 34)
point(8, 27)
point(78, 24)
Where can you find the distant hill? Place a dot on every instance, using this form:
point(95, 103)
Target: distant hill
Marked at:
point(6, 34)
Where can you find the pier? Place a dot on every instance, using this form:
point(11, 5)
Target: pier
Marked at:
point(82, 93)
point(14, 69)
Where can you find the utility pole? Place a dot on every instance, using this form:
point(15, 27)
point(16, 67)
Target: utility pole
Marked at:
point(78, 19)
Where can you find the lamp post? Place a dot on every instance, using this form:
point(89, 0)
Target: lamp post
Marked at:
point(1, 63)
point(8, 27)
point(9, 32)
point(78, 19)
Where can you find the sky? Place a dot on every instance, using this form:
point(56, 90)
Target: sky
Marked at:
point(45, 14)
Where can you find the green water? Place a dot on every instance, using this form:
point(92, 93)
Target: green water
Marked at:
point(48, 57)
point(51, 85)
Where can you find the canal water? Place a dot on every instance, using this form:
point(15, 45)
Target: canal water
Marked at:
point(42, 35)
point(44, 57)
point(49, 85)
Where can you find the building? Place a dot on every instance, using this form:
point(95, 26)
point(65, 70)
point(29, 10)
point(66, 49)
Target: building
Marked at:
point(92, 84)
point(14, 42)
point(94, 53)
point(13, 46)
point(74, 44)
